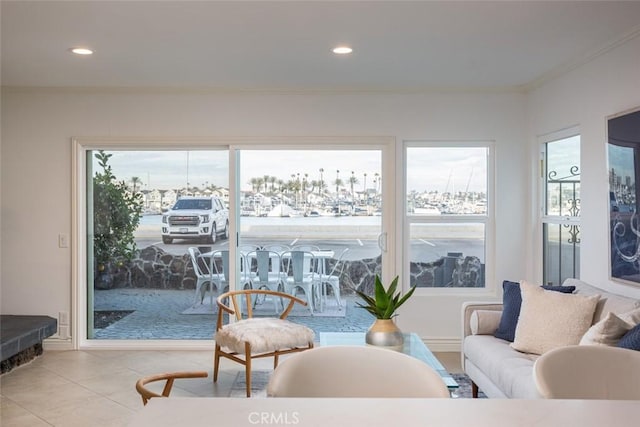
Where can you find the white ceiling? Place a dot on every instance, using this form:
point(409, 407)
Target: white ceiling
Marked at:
point(269, 45)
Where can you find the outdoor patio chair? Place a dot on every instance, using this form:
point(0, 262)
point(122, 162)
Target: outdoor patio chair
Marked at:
point(220, 270)
point(146, 394)
point(268, 273)
point(251, 337)
point(302, 275)
point(203, 274)
point(355, 371)
point(307, 248)
point(333, 279)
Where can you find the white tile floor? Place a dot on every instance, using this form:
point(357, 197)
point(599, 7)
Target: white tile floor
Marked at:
point(97, 387)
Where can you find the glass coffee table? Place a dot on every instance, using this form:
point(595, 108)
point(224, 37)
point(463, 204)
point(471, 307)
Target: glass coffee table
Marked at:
point(413, 346)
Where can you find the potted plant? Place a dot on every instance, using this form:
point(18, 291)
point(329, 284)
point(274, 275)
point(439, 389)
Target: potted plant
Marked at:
point(383, 305)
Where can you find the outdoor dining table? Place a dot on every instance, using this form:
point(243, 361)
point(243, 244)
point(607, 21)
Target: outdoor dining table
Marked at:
point(322, 256)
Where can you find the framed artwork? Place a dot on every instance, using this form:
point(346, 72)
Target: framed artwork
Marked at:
point(623, 149)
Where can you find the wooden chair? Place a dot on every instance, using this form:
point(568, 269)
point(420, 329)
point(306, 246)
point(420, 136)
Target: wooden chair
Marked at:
point(147, 394)
point(256, 337)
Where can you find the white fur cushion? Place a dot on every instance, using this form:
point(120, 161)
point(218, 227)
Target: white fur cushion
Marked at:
point(551, 319)
point(484, 322)
point(608, 331)
point(264, 334)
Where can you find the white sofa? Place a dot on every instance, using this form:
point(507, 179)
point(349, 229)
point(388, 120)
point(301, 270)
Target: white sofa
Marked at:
point(498, 370)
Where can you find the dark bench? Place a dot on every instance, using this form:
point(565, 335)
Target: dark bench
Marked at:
point(21, 338)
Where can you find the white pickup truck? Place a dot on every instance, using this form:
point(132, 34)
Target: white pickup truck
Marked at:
point(202, 218)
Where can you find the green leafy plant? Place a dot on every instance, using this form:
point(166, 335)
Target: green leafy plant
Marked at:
point(385, 302)
point(116, 215)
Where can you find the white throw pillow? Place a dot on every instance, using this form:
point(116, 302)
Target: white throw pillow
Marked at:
point(484, 322)
point(608, 331)
point(632, 317)
point(551, 319)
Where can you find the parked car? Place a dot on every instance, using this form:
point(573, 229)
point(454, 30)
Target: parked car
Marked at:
point(201, 218)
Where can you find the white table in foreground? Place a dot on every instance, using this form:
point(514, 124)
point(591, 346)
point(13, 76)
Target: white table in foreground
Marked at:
point(238, 412)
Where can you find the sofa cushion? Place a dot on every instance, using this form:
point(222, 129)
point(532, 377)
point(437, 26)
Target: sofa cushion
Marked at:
point(609, 302)
point(631, 339)
point(551, 319)
point(608, 331)
point(509, 370)
point(511, 302)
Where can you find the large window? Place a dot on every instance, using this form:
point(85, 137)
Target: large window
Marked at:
point(561, 209)
point(164, 231)
point(447, 213)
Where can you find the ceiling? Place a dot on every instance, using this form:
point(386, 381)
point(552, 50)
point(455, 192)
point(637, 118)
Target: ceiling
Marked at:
point(271, 45)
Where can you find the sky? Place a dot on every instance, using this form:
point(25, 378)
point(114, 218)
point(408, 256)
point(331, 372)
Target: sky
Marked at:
point(429, 168)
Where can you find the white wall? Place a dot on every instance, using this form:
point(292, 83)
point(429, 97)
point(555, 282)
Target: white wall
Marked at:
point(585, 97)
point(37, 126)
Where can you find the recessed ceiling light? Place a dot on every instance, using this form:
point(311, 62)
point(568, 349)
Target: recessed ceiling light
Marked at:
point(342, 50)
point(81, 51)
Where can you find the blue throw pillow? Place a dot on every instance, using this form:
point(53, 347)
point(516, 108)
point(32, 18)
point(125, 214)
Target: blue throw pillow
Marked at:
point(631, 339)
point(511, 302)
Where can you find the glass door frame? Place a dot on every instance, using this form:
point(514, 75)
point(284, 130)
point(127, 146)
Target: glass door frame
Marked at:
point(79, 252)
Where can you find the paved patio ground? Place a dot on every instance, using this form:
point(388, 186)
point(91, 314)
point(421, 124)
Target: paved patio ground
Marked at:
point(157, 314)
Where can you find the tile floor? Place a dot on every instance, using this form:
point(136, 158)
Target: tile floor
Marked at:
point(97, 387)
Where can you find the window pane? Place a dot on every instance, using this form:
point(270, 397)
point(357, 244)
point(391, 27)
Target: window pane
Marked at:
point(562, 185)
point(561, 240)
point(146, 209)
point(447, 255)
point(561, 252)
point(446, 180)
point(325, 203)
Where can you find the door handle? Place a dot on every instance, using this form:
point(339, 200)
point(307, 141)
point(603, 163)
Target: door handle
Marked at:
point(382, 241)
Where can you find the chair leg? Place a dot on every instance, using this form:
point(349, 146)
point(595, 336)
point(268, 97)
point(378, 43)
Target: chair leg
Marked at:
point(216, 363)
point(247, 372)
point(474, 390)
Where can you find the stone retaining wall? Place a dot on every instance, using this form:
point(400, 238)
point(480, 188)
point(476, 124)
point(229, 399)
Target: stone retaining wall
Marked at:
point(157, 269)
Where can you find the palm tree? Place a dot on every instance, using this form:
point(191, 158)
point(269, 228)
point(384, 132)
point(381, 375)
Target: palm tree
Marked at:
point(254, 183)
point(135, 181)
point(314, 184)
point(352, 181)
point(321, 186)
point(272, 180)
point(259, 182)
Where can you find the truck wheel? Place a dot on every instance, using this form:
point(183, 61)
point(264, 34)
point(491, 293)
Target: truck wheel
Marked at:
point(167, 240)
point(226, 231)
point(212, 238)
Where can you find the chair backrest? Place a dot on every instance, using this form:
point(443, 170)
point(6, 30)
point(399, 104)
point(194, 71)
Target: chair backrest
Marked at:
point(355, 371)
point(588, 372)
point(200, 266)
point(300, 264)
point(267, 261)
point(338, 264)
point(220, 269)
point(231, 303)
